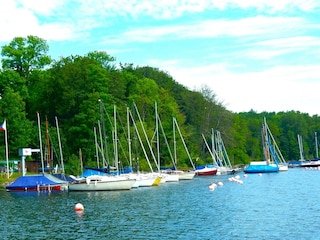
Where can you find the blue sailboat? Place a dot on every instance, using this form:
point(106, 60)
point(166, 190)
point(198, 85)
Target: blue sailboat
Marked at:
point(273, 159)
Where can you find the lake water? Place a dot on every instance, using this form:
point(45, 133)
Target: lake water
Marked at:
point(271, 206)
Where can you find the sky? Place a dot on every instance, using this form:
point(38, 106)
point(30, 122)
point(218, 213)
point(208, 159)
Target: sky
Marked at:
point(260, 55)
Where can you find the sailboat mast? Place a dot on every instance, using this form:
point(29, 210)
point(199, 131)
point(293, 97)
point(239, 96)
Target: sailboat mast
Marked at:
point(40, 142)
point(140, 140)
point(146, 137)
point(48, 144)
point(316, 139)
point(129, 138)
point(174, 142)
point(265, 142)
point(157, 135)
point(104, 132)
point(300, 147)
point(80, 157)
point(96, 144)
point(116, 161)
point(60, 147)
point(184, 144)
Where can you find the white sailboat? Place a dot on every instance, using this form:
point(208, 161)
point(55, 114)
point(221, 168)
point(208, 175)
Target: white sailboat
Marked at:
point(166, 175)
point(105, 182)
point(308, 163)
point(142, 179)
point(183, 175)
point(219, 154)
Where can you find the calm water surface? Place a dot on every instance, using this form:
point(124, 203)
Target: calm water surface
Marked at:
point(272, 206)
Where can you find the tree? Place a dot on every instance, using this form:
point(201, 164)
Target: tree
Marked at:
point(19, 127)
point(102, 58)
point(11, 79)
point(25, 54)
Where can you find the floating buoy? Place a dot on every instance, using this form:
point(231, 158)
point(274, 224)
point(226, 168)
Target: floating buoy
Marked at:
point(212, 186)
point(240, 181)
point(260, 174)
point(78, 207)
point(220, 184)
point(245, 175)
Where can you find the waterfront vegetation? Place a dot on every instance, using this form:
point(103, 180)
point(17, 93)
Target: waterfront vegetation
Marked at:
point(4, 180)
point(69, 88)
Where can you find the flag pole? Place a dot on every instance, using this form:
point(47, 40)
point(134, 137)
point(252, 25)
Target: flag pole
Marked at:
point(6, 142)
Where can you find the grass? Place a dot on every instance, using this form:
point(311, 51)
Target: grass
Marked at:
point(4, 180)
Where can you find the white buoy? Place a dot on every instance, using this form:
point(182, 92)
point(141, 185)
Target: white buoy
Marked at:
point(260, 174)
point(212, 186)
point(220, 184)
point(78, 207)
point(245, 175)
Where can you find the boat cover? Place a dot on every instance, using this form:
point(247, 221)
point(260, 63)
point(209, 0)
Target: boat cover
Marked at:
point(34, 180)
point(252, 168)
point(205, 166)
point(63, 177)
point(103, 171)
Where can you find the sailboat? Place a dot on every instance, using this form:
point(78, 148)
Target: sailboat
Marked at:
point(309, 163)
point(183, 175)
point(208, 169)
point(42, 182)
point(148, 179)
point(273, 159)
point(219, 154)
point(105, 182)
point(166, 175)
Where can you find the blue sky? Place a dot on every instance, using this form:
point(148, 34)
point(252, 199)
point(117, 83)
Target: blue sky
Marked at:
point(262, 55)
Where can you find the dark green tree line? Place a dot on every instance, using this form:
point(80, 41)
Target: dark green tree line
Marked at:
point(70, 89)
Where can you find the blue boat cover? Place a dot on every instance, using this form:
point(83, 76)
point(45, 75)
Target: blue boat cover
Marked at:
point(34, 180)
point(204, 166)
point(63, 177)
point(103, 171)
point(260, 169)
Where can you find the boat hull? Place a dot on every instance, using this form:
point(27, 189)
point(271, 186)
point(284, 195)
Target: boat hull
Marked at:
point(102, 184)
point(206, 170)
point(185, 175)
point(37, 188)
point(143, 179)
point(311, 163)
point(261, 167)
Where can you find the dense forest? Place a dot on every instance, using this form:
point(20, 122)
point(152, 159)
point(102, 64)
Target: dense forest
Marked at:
point(95, 100)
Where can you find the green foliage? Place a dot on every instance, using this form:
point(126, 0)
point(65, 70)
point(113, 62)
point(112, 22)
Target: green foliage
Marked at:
point(70, 89)
point(12, 108)
point(25, 54)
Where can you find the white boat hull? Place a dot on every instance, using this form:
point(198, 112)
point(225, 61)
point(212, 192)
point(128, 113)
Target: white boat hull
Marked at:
point(143, 179)
point(170, 177)
point(102, 183)
point(185, 175)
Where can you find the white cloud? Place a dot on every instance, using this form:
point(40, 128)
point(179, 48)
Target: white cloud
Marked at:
point(169, 9)
point(20, 19)
point(276, 89)
point(77, 17)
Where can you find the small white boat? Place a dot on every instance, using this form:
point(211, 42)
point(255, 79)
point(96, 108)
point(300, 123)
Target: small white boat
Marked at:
point(183, 175)
point(102, 183)
point(144, 179)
